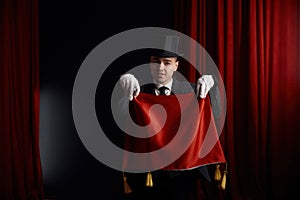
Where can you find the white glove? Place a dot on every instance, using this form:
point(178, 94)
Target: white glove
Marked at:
point(204, 84)
point(130, 85)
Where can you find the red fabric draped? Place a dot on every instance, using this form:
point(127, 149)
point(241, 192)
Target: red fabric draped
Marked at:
point(255, 45)
point(20, 167)
point(187, 126)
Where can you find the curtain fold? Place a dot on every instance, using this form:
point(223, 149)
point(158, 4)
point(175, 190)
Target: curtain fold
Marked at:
point(256, 47)
point(20, 166)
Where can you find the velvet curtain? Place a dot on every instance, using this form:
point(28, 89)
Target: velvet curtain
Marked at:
point(20, 167)
point(256, 46)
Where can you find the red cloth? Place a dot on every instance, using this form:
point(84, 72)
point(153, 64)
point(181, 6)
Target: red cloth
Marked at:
point(184, 120)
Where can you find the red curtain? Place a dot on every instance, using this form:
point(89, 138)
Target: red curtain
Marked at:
point(256, 47)
point(20, 167)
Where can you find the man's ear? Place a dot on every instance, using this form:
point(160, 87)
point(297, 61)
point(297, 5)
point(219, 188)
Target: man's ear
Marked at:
point(176, 65)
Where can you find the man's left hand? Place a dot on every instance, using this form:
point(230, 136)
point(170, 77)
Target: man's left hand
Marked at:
point(204, 84)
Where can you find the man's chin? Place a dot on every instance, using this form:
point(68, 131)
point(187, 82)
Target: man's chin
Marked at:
point(161, 81)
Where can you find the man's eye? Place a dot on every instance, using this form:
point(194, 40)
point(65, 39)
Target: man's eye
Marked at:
point(155, 61)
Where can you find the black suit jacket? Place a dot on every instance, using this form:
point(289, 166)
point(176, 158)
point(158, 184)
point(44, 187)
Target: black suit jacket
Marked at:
point(178, 87)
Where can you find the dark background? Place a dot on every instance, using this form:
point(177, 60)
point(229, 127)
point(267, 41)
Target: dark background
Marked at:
point(69, 30)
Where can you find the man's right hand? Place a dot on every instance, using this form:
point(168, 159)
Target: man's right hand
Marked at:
point(130, 86)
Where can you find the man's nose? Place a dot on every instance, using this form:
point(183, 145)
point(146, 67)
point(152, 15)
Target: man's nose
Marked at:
point(161, 66)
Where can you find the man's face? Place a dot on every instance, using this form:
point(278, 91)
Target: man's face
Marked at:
point(162, 69)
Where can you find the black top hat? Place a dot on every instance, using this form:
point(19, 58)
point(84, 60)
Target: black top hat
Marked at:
point(171, 44)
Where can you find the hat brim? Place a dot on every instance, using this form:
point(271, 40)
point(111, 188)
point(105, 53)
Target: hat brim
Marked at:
point(164, 53)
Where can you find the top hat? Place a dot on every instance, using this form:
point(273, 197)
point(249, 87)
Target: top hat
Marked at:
point(170, 49)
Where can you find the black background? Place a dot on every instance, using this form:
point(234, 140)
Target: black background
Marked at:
point(69, 30)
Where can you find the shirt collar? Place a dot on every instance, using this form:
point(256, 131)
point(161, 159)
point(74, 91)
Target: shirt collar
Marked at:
point(168, 85)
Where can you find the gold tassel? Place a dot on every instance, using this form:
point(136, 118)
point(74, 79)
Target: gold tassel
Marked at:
point(127, 188)
point(217, 173)
point(223, 183)
point(149, 182)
